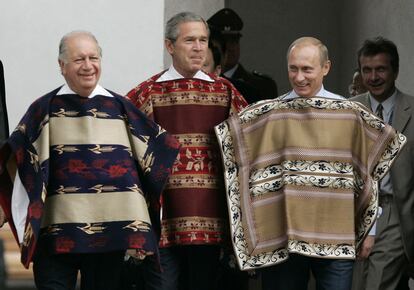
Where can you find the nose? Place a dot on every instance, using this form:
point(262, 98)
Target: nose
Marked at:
point(87, 64)
point(299, 76)
point(197, 45)
point(374, 75)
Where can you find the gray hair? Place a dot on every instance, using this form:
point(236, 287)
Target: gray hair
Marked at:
point(303, 41)
point(171, 29)
point(63, 47)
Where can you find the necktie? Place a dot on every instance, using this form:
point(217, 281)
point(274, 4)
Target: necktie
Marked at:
point(378, 112)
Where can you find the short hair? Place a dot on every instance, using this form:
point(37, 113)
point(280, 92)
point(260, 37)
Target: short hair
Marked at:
point(215, 51)
point(171, 29)
point(379, 44)
point(323, 50)
point(63, 46)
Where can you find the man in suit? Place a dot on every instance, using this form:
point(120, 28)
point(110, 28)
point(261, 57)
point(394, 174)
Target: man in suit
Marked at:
point(225, 26)
point(4, 125)
point(385, 256)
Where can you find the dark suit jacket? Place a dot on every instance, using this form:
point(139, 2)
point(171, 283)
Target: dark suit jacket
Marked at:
point(4, 124)
point(265, 86)
point(402, 171)
point(249, 93)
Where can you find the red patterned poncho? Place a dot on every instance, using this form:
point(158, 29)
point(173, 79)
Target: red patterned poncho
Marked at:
point(194, 204)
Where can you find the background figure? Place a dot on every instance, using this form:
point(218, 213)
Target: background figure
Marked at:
point(356, 87)
point(4, 124)
point(230, 276)
point(4, 134)
point(227, 26)
point(391, 251)
point(212, 63)
point(189, 103)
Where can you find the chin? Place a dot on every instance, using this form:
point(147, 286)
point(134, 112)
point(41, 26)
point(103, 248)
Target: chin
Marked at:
point(89, 83)
point(197, 64)
point(377, 93)
point(304, 93)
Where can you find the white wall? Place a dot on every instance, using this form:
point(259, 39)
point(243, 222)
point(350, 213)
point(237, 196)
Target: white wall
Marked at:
point(130, 33)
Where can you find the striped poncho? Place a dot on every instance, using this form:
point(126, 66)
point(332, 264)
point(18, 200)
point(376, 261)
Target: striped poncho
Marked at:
point(301, 177)
point(90, 168)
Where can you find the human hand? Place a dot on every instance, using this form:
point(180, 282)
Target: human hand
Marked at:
point(138, 254)
point(366, 248)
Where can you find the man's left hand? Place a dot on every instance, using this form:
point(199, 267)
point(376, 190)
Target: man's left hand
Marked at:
point(366, 247)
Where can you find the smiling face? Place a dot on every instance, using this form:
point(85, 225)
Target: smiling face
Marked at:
point(81, 65)
point(189, 50)
point(378, 75)
point(305, 70)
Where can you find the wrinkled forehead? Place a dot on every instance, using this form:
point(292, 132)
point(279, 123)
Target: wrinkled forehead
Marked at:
point(79, 41)
point(191, 27)
point(304, 53)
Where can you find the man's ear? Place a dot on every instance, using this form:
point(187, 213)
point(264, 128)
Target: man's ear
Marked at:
point(169, 45)
point(61, 65)
point(326, 67)
point(217, 70)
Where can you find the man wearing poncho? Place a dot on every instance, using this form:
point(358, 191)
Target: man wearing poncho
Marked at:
point(77, 175)
point(301, 175)
point(189, 103)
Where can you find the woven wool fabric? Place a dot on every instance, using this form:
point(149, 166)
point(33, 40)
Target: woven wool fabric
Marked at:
point(301, 177)
point(193, 210)
point(89, 166)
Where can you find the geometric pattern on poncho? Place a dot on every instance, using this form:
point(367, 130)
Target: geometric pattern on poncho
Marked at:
point(293, 168)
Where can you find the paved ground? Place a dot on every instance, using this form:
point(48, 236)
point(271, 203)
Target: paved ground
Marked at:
point(20, 285)
point(29, 285)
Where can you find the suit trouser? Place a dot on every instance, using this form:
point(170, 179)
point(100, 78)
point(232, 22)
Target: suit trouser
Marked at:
point(387, 262)
point(99, 271)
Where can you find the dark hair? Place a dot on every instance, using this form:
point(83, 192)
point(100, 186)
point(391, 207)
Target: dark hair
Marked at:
point(379, 44)
point(216, 54)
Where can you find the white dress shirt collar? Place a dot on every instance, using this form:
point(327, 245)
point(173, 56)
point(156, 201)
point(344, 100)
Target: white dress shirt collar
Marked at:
point(173, 74)
point(97, 91)
point(387, 105)
point(322, 93)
